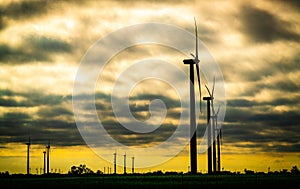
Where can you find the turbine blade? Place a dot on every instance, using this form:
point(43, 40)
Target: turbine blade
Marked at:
point(199, 84)
point(213, 89)
point(196, 33)
point(221, 135)
point(208, 91)
point(218, 110)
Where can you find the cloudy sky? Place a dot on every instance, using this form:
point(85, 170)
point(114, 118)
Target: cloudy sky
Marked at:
point(42, 44)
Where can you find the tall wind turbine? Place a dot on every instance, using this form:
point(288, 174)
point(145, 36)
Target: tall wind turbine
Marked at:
point(48, 156)
point(28, 155)
point(193, 136)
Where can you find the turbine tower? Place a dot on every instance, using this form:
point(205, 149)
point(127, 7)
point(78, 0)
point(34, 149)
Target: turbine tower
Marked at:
point(219, 135)
point(115, 162)
point(132, 164)
point(214, 117)
point(44, 152)
point(48, 156)
point(209, 170)
point(28, 155)
point(193, 136)
point(219, 139)
point(214, 158)
point(125, 163)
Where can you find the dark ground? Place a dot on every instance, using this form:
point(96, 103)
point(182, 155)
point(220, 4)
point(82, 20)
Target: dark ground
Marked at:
point(152, 181)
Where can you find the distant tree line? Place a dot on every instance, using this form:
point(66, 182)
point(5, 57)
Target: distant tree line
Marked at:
point(82, 169)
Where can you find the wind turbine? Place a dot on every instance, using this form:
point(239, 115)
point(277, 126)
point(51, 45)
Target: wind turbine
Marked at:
point(132, 164)
point(193, 136)
point(208, 99)
point(48, 156)
point(115, 162)
point(28, 155)
point(44, 152)
point(125, 163)
point(219, 137)
point(214, 129)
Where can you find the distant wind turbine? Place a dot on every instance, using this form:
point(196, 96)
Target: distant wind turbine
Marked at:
point(44, 152)
point(48, 157)
point(209, 170)
point(215, 129)
point(115, 162)
point(193, 142)
point(125, 163)
point(132, 164)
point(211, 94)
point(219, 137)
point(28, 155)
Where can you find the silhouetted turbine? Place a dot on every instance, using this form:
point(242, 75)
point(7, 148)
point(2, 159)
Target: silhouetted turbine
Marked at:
point(115, 162)
point(28, 155)
point(132, 164)
point(209, 168)
point(125, 163)
point(44, 152)
point(48, 157)
point(193, 134)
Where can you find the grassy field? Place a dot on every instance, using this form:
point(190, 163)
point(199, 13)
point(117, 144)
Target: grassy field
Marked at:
point(153, 181)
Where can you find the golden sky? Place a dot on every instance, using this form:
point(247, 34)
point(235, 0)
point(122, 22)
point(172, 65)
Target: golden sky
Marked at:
point(255, 44)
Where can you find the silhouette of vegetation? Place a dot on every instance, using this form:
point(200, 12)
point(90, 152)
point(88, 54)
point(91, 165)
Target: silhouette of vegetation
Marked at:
point(295, 170)
point(81, 169)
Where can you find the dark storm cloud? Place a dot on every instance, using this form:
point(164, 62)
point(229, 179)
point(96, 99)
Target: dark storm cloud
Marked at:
point(51, 112)
point(24, 9)
point(239, 103)
point(262, 26)
point(103, 104)
point(292, 3)
point(51, 124)
point(13, 55)
point(130, 138)
point(34, 48)
point(33, 98)
point(48, 44)
point(244, 125)
point(2, 23)
point(169, 102)
point(286, 85)
point(286, 65)
point(33, 8)
point(16, 127)
point(284, 120)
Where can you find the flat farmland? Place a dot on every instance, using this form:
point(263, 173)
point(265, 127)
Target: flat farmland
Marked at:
point(151, 181)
